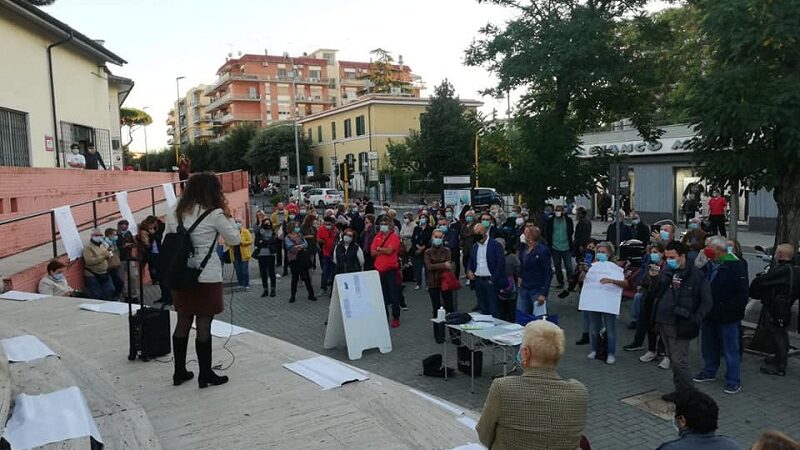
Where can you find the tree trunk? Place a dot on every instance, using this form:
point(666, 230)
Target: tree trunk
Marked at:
point(787, 196)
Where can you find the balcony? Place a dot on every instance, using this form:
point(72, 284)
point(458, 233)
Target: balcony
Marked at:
point(230, 97)
point(201, 118)
point(316, 99)
point(238, 117)
point(224, 79)
point(170, 130)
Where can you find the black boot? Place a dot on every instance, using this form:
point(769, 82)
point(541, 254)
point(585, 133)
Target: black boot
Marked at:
point(272, 292)
point(583, 340)
point(310, 290)
point(179, 355)
point(264, 294)
point(206, 376)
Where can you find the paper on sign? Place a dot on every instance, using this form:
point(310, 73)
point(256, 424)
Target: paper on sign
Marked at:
point(125, 211)
point(326, 372)
point(169, 195)
point(513, 326)
point(69, 232)
point(25, 348)
point(224, 329)
point(352, 301)
point(470, 446)
point(21, 296)
point(43, 419)
point(598, 297)
point(117, 308)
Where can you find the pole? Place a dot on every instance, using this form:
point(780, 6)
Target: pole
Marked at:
point(477, 183)
point(295, 112)
point(616, 205)
point(146, 149)
point(734, 228)
point(346, 184)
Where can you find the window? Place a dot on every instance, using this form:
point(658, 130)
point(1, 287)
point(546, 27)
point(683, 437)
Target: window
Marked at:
point(348, 128)
point(14, 146)
point(333, 131)
point(360, 128)
point(315, 74)
point(310, 138)
point(282, 74)
point(253, 93)
point(319, 133)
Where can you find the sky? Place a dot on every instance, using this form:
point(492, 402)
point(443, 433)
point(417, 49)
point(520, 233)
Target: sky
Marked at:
point(164, 39)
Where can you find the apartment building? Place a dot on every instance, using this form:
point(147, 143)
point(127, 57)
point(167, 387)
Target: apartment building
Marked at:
point(264, 89)
point(196, 124)
point(361, 130)
point(57, 90)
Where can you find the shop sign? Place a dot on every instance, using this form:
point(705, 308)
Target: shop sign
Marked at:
point(635, 148)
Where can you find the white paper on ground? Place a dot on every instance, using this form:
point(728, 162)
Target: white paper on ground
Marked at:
point(21, 296)
point(441, 403)
point(125, 211)
point(470, 446)
point(326, 372)
point(69, 232)
point(169, 195)
point(224, 329)
point(117, 308)
point(42, 419)
point(25, 348)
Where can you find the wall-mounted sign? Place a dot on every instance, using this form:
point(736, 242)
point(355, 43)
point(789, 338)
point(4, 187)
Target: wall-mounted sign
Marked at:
point(284, 162)
point(636, 148)
point(457, 179)
point(49, 143)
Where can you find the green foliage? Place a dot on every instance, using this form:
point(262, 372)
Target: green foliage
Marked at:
point(41, 2)
point(278, 198)
point(269, 144)
point(131, 119)
point(234, 147)
point(383, 75)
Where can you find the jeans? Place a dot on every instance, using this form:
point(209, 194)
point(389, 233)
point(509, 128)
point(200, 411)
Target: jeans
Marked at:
point(116, 280)
point(418, 262)
point(526, 302)
point(636, 307)
point(721, 340)
point(596, 321)
point(558, 257)
point(242, 269)
point(586, 320)
point(266, 269)
point(391, 291)
point(99, 287)
point(487, 296)
point(326, 279)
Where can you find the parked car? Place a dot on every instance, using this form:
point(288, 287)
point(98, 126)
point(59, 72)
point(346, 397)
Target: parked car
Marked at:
point(486, 197)
point(322, 197)
point(300, 191)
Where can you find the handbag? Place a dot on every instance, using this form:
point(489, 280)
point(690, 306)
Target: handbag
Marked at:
point(449, 282)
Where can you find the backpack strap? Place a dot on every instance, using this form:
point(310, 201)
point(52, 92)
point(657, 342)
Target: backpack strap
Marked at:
point(196, 222)
point(210, 252)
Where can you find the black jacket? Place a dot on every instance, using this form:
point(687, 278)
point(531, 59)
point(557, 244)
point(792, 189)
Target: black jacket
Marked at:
point(421, 237)
point(776, 283)
point(266, 239)
point(692, 298)
point(728, 291)
point(548, 230)
point(583, 233)
point(347, 258)
point(93, 159)
point(641, 232)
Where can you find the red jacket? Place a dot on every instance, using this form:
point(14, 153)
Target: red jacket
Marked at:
point(385, 263)
point(716, 205)
point(326, 239)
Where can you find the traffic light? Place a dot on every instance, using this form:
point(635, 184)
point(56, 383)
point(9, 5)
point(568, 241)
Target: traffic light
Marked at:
point(351, 164)
point(342, 171)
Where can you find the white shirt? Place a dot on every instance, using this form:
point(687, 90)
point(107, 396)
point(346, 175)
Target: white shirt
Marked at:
point(481, 266)
point(76, 161)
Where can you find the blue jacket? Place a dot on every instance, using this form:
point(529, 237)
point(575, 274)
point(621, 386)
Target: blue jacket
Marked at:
point(451, 238)
point(729, 291)
point(495, 259)
point(535, 269)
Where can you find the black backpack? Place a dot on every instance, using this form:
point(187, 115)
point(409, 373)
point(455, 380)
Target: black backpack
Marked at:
point(176, 252)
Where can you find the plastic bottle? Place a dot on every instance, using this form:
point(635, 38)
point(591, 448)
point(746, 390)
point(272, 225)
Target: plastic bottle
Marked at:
point(440, 314)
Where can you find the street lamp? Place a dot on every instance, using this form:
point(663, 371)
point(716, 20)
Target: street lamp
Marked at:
point(295, 112)
point(146, 149)
point(178, 117)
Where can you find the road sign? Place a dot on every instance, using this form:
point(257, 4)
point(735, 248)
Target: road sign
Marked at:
point(459, 179)
point(373, 156)
point(310, 170)
point(284, 163)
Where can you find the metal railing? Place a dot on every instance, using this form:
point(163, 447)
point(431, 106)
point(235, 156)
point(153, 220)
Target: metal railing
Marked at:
point(230, 182)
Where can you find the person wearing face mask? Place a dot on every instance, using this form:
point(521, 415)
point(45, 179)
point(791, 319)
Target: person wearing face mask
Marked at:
point(437, 261)
point(266, 244)
point(126, 243)
point(370, 230)
point(326, 239)
point(279, 218)
point(558, 232)
point(114, 264)
point(348, 256)
point(356, 222)
point(640, 230)
point(384, 250)
point(309, 231)
point(75, 159)
point(651, 268)
point(683, 299)
point(452, 238)
point(664, 235)
point(719, 334)
point(55, 282)
point(624, 230)
point(299, 260)
point(538, 409)
point(240, 256)
point(778, 289)
point(420, 241)
point(490, 224)
point(689, 207)
point(695, 421)
point(695, 239)
point(587, 258)
point(536, 273)
point(511, 222)
point(487, 269)
point(604, 252)
point(717, 206)
point(96, 256)
point(516, 236)
point(93, 159)
point(466, 235)
point(406, 232)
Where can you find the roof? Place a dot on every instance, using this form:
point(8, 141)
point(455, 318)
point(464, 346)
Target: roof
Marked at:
point(378, 99)
point(304, 60)
point(126, 85)
point(35, 15)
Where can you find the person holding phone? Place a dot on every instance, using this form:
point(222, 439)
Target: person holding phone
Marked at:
point(644, 327)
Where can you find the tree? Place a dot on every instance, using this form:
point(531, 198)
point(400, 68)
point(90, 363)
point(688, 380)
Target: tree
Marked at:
point(384, 74)
point(132, 119)
point(570, 60)
point(269, 144)
point(234, 147)
point(745, 105)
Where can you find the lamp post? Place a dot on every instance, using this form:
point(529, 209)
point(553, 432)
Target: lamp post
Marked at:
point(178, 116)
point(295, 113)
point(146, 149)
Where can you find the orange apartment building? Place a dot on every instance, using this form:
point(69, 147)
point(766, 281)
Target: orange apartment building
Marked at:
point(261, 89)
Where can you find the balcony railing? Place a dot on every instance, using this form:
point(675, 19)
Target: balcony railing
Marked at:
point(223, 79)
point(239, 117)
point(229, 97)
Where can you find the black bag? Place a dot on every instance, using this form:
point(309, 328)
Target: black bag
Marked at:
point(176, 252)
point(432, 367)
point(149, 333)
point(466, 357)
point(685, 328)
point(408, 273)
point(457, 318)
point(602, 346)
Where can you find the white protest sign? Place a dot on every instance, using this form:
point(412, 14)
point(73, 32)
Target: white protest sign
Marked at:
point(169, 195)
point(357, 314)
point(599, 297)
point(69, 232)
point(457, 198)
point(125, 211)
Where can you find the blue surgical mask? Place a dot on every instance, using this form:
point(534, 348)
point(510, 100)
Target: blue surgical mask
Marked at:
point(423, 221)
point(664, 235)
point(449, 214)
point(437, 242)
point(443, 228)
point(384, 228)
point(518, 356)
point(469, 219)
point(292, 216)
point(655, 258)
point(513, 215)
point(355, 210)
point(693, 226)
point(347, 239)
point(635, 221)
point(486, 223)
point(602, 257)
point(296, 229)
point(672, 263)
point(238, 226)
point(97, 239)
point(729, 249)
point(303, 212)
point(58, 276)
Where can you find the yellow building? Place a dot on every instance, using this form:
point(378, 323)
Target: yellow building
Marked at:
point(362, 130)
point(56, 90)
point(196, 123)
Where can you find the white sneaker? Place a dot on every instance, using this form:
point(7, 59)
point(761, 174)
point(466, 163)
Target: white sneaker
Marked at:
point(277, 275)
point(592, 355)
point(647, 357)
point(611, 359)
point(665, 363)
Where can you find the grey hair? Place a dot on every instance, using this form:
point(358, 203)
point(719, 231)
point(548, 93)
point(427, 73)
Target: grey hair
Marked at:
point(608, 246)
point(717, 242)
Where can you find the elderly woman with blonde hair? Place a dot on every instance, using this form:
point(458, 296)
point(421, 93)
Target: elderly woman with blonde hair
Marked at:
point(538, 410)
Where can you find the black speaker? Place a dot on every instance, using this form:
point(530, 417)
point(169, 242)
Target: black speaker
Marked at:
point(150, 333)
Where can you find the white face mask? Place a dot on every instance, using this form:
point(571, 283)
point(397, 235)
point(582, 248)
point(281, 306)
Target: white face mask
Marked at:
point(558, 213)
point(519, 221)
point(522, 239)
point(74, 151)
point(675, 425)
